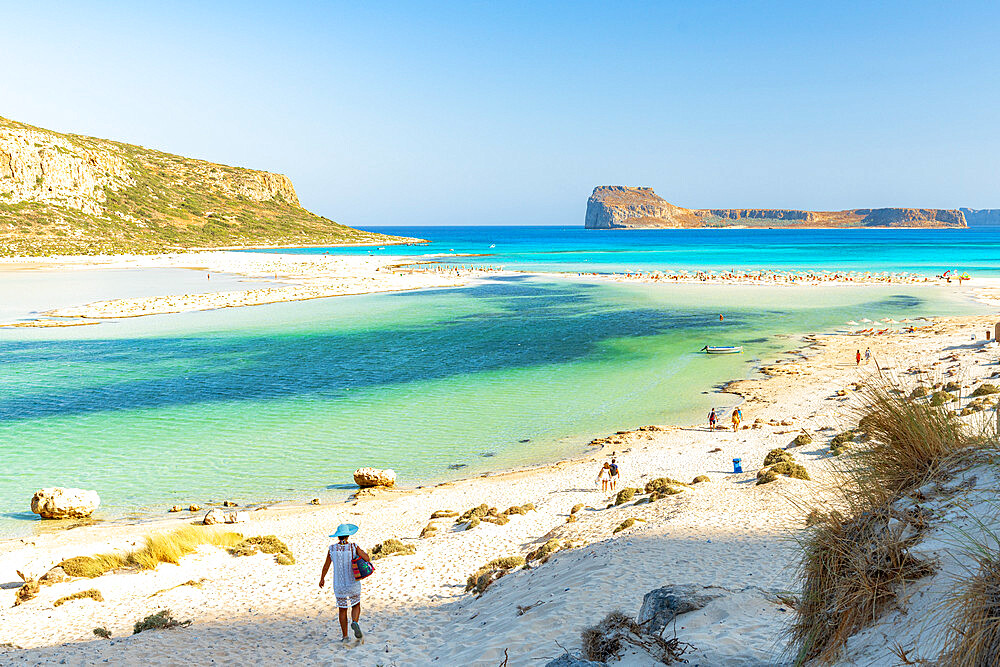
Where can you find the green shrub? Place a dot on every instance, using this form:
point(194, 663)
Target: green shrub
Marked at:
point(985, 390)
point(480, 580)
point(161, 620)
point(543, 552)
point(392, 547)
point(627, 523)
point(802, 439)
point(786, 468)
point(940, 398)
point(102, 632)
point(919, 391)
point(428, 531)
point(519, 509)
point(656, 484)
point(776, 455)
point(267, 544)
point(624, 496)
point(700, 478)
point(952, 386)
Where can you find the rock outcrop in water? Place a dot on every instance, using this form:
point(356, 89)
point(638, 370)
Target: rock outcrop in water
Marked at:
point(59, 503)
point(981, 217)
point(66, 193)
point(623, 207)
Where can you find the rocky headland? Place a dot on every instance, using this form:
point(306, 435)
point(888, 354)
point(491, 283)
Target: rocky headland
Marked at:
point(623, 207)
point(981, 217)
point(72, 194)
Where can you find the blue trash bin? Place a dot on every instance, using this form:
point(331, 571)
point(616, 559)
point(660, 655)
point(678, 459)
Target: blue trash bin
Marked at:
point(736, 465)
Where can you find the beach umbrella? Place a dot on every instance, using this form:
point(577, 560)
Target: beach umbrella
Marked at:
point(889, 320)
point(865, 319)
point(906, 320)
point(852, 323)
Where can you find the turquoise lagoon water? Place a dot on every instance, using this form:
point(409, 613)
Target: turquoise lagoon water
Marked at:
point(284, 401)
point(925, 251)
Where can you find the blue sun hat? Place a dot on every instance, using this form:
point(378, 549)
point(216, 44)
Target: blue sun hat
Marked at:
point(345, 529)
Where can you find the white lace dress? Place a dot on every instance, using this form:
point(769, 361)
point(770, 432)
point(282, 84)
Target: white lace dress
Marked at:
point(346, 588)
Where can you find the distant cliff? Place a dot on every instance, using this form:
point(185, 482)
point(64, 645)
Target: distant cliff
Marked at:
point(982, 217)
point(65, 193)
point(622, 207)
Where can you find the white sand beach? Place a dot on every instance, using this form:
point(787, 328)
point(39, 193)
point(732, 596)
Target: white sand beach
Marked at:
point(303, 277)
point(727, 536)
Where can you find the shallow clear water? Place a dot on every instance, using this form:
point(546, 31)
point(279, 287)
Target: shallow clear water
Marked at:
point(284, 401)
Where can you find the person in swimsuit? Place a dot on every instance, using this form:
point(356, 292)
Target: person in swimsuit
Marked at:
point(737, 416)
point(346, 588)
point(712, 418)
point(604, 476)
point(614, 474)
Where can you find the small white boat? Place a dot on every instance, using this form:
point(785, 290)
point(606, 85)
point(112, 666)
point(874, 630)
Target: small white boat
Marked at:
point(722, 349)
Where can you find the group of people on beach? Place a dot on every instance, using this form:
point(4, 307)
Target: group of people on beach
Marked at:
point(867, 357)
point(768, 277)
point(736, 417)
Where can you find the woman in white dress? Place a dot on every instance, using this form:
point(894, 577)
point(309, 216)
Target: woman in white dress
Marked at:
point(346, 588)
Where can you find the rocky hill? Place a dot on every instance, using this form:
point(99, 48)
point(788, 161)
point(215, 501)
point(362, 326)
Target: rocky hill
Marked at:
point(982, 217)
point(622, 207)
point(66, 193)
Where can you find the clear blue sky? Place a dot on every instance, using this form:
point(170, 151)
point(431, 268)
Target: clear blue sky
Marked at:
point(510, 113)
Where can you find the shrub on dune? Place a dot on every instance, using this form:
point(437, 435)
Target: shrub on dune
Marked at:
point(268, 544)
point(659, 483)
point(161, 620)
point(985, 390)
point(481, 579)
point(392, 547)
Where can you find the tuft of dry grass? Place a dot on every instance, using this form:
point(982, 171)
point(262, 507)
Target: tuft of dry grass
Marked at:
point(777, 455)
point(90, 593)
point(27, 591)
point(428, 531)
point(392, 547)
point(102, 632)
point(701, 478)
point(444, 514)
point(195, 583)
point(856, 560)
point(576, 508)
point(606, 640)
point(159, 548)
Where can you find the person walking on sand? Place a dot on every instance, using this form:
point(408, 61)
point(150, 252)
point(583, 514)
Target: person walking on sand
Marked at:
point(712, 418)
point(857, 358)
point(604, 476)
point(346, 588)
point(737, 416)
point(868, 354)
point(614, 474)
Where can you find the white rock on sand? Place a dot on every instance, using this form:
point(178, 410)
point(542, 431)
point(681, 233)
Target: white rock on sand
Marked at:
point(59, 503)
point(369, 477)
point(217, 515)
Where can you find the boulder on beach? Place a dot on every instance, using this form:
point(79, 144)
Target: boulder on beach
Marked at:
point(59, 503)
point(662, 605)
point(221, 516)
point(368, 477)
